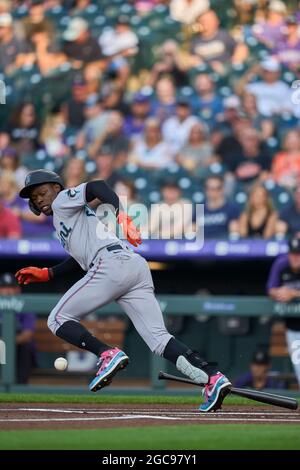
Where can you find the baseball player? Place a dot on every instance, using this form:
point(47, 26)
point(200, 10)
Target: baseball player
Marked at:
point(113, 272)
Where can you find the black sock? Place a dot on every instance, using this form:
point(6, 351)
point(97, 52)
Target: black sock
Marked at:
point(76, 334)
point(175, 348)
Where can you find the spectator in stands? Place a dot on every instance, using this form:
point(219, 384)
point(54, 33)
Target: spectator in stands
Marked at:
point(287, 50)
point(176, 129)
point(254, 160)
point(151, 152)
point(25, 326)
point(225, 136)
point(265, 126)
point(9, 161)
point(4, 139)
point(10, 45)
point(36, 18)
point(289, 218)
point(92, 76)
point(119, 43)
point(114, 138)
point(95, 124)
point(219, 214)
point(272, 94)
point(31, 225)
point(198, 151)
point(134, 122)
point(80, 6)
point(52, 135)
point(5, 6)
point(46, 54)
point(74, 172)
point(259, 218)
point(168, 63)
point(208, 104)
point(105, 166)
point(258, 377)
point(286, 164)
point(77, 102)
point(187, 11)
point(112, 96)
point(172, 218)
point(164, 104)
point(24, 129)
point(214, 45)
point(245, 10)
point(119, 40)
point(80, 47)
point(270, 31)
point(284, 286)
point(126, 190)
point(10, 226)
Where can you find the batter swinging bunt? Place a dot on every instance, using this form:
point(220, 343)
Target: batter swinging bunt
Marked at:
point(111, 271)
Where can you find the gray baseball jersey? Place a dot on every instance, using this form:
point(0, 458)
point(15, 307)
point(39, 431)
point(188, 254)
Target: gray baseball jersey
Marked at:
point(80, 232)
point(116, 274)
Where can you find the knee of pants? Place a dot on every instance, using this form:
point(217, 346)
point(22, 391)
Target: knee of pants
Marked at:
point(51, 323)
point(55, 319)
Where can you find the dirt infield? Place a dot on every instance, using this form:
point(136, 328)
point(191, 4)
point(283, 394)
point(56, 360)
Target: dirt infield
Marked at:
point(64, 416)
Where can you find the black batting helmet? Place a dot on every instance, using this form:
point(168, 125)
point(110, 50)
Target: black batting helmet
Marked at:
point(36, 178)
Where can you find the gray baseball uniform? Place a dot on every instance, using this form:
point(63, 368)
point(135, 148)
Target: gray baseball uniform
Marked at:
point(118, 274)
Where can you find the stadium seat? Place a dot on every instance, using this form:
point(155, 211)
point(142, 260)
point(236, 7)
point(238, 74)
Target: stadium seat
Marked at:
point(280, 196)
point(240, 198)
point(56, 13)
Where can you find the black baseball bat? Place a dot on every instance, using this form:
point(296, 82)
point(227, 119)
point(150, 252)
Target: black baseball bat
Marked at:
point(262, 397)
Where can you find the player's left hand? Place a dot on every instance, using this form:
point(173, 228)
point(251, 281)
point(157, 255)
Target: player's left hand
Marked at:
point(131, 232)
point(32, 274)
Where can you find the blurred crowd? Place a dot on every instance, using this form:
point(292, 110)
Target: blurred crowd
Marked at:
point(173, 101)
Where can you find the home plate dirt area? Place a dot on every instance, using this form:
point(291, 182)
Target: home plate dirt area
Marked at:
point(76, 416)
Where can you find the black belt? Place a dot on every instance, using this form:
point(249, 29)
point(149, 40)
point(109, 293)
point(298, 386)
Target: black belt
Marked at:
point(109, 248)
point(114, 247)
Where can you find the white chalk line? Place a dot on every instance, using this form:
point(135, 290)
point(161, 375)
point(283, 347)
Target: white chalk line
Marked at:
point(165, 412)
point(102, 418)
point(200, 418)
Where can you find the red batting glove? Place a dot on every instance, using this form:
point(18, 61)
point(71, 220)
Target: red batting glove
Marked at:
point(31, 274)
point(131, 232)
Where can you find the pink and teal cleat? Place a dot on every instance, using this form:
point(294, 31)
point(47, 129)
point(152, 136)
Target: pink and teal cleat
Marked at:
point(214, 392)
point(110, 362)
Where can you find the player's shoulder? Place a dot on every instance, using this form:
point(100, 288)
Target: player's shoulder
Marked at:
point(69, 195)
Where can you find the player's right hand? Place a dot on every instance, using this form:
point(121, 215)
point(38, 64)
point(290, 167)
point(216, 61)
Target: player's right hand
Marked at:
point(131, 232)
point(32, 274)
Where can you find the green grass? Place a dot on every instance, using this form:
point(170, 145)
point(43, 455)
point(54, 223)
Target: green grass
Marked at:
point(115, 399)
point(193, 437)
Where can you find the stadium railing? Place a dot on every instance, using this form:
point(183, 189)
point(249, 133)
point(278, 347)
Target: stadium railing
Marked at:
point(42, 304)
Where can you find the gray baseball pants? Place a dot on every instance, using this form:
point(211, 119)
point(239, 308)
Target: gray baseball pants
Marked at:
point(123, 276)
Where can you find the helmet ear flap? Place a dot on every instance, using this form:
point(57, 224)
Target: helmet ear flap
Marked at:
point(33, 208)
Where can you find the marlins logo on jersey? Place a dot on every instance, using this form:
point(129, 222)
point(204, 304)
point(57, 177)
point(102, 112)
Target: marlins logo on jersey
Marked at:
point(72, 192)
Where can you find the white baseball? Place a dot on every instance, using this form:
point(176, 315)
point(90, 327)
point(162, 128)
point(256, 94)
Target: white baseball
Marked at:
point(60, 363)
